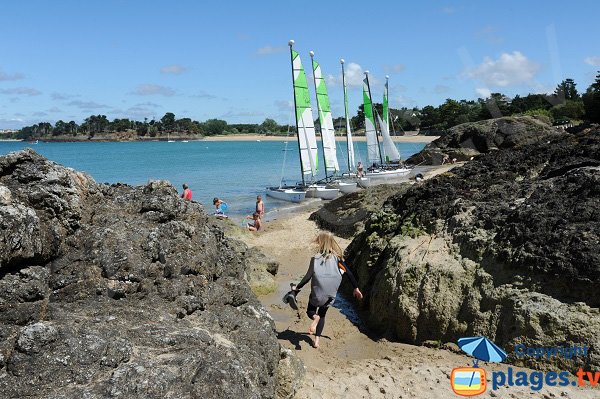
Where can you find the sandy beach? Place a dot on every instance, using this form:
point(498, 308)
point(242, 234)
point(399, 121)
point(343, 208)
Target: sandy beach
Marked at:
point(262, 137)
point(351, 362)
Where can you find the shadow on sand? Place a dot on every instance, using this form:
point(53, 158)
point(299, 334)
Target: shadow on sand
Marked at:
point(295, 338)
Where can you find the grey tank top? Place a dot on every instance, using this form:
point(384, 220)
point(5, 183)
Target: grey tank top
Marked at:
point(325, 281)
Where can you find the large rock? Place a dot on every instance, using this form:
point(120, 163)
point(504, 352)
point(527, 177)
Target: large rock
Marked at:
point(506, 246)
point(468, 140)
point(122, 292)
point(346, 215)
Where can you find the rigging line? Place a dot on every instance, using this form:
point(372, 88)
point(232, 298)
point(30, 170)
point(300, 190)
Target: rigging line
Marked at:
point(285, 150)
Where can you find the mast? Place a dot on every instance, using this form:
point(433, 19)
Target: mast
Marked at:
point(291, 44)
point(312, 62)
point(374, 111)
point(349, 143)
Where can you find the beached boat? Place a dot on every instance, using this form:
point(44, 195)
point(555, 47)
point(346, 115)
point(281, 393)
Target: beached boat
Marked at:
point(307, 142)
point(290, 194)
point(347, 183)
point(380, 172)
point(330, 161)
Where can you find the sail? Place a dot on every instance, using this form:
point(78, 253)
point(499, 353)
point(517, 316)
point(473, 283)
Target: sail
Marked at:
point(304, 119)
point(327, 130)
point(390, 151)
point(373, 155)
point(348, 130)
point(386, 113)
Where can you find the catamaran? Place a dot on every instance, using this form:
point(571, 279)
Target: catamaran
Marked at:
point(347, 184)
point(380, 172)
point(330, 161)
point(307, 142)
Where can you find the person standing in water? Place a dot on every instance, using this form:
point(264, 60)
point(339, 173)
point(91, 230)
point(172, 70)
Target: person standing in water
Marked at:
point(325, 272)
point(187, 193)
point(360, 172)
point(260, 206)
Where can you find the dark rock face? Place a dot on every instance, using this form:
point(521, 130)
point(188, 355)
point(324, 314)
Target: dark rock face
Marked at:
point(507, 246)
point(471, 139)
point(346, 215)
point(121, 292)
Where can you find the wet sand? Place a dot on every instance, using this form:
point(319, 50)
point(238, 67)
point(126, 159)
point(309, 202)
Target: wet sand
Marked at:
point(350, 362)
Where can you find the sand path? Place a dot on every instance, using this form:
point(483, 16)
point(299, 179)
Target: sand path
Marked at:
point(349, 364)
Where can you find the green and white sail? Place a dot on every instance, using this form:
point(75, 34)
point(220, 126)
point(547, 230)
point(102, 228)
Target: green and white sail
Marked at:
point(390, 151)
point(326, 121)
point(348, 130)
point(307, 141)
point(373, 154)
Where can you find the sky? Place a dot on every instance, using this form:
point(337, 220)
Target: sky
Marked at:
point(66, 60)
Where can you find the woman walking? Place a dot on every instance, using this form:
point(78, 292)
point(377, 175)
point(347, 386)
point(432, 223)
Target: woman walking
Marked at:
point(325, 272)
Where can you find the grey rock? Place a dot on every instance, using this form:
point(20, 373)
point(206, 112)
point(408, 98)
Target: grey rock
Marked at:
point(124, 292)
point(468, 140)
point(506, 246)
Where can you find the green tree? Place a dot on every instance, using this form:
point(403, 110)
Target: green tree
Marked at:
point(591, 101)
point(566, 90)
point(168, 122)
point(571, 109)
point(214, 126)
point(270, 126)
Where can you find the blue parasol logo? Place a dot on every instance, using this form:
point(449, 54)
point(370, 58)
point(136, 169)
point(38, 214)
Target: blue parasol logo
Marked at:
point(482, 349)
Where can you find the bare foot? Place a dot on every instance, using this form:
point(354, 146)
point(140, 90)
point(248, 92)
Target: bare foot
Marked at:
point(316, 342)
point(313, 326)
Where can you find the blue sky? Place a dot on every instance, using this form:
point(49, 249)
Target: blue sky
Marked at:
point(229, 59)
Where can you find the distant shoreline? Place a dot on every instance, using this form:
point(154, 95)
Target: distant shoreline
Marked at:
point(224, 137)
point(255, 137)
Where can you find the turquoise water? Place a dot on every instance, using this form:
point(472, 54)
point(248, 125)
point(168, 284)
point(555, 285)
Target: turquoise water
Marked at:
point(235, 171)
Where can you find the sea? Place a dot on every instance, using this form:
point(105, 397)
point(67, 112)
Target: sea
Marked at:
point(235, 171)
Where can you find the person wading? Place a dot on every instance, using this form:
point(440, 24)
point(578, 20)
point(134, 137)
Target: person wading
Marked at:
point(325, 272)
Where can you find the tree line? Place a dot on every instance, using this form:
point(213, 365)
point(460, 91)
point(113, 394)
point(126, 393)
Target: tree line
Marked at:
point(564, 105)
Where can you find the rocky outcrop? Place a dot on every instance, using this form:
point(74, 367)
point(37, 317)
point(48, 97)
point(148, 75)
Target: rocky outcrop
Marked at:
point(506, 246)
point(122, 292)
point(345, 216)
point(468, 140)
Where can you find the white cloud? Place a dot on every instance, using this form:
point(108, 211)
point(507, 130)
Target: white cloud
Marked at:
point(354, 76)
point(40, 113)
point(14, 76)
point(205, 95)
point(151, 90)
point(62, 96)
point(510, 69)
point(396, 68)
point(489, 34)
point(403, 101)
point(283, 105)
point(267, 50)
point(594, 61)
point(441, 89)
point(25, 91)
point(483, 92)
point(87, 105)
point(447, 10)
point(54, 110)
point(173, 69)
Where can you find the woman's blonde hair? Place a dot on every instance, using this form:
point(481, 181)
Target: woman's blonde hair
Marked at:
point(326, 245)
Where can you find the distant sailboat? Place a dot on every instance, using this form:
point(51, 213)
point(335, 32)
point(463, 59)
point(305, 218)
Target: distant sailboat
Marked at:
point(330, 161)
point(379, 172)
point(307, 142)
point(169, 138)
point(347, 184)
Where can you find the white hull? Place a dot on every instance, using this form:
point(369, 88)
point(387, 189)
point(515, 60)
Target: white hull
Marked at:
point(286, 194)
point(316, 191)
point(346, 187)
point(383, 177)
